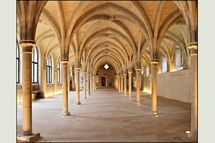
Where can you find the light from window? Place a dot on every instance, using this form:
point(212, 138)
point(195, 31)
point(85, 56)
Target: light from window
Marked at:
point(178, 58)
point(58, 72)
point(49, 70)
point(147, 71)
point(34, 65)
point(164, 64)
point(17, 63)
point(106, 66)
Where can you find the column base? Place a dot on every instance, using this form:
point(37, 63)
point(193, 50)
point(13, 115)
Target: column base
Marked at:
point(129, 98)
point(30, 138)
point(78, 103)
point(193, 135)
point(125, 95)
point(85, 97)
point(65, 113)
point(155, 113)
point(138, 103)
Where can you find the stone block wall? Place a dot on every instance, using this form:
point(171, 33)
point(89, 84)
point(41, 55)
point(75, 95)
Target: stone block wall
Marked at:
point(35, 86)
point(175, 85)
point(49, 90)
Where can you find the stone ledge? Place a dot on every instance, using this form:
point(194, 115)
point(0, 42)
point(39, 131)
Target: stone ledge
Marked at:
point(31, 138)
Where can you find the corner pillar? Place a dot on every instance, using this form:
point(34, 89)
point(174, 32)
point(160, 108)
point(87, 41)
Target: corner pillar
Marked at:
point(194, 92)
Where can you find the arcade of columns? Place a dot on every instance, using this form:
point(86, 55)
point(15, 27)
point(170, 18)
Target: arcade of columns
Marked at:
point(27, 43)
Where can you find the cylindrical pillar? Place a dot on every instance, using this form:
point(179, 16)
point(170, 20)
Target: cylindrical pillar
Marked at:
point(194, 92)
point(26, 88)
point(125, 83)
point(89, 84)
point(64, 75)
point(119, 83)
point(85, 86)
point(138, 85)
point(121, 88)
point(154, 65)
point(129, 82)
point(93, 83)
point(77, 72)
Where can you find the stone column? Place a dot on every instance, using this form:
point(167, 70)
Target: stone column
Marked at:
point(89, 84)
point(44, 82)
point(26, 49)
point(84, 80)
point(119, 83)
point(73, 79)
point(129, 82)
point(27, 88)
point(121, 88)
point(138, 76)
point(64, 75)
point(77, 72)
point(125, 83)
point(154, 64)
point(93, 83)
point(194, 92)
point(55, 82)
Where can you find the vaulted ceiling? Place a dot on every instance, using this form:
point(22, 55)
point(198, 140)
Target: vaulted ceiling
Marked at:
point(120, 33)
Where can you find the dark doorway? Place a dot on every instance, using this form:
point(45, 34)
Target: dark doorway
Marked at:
point(103, 81)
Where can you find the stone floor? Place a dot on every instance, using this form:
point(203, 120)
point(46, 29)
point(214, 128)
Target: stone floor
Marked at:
point(109, 116)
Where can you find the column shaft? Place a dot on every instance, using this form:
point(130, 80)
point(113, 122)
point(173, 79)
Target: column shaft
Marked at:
point(77, 71)
point(93, 83)
point(85, 87)
point(119, 83)
point(138, 86)
point(121, 88)
point(89, 85)
point(125, 83)
point(65, 88)
point(154, 88)
point(26, 90)
point(129, 78)
point(194, 93)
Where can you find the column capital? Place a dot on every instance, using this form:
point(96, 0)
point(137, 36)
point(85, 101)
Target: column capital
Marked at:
point(129, 69)
point(124, 74)
point(84, 72)
point(193, 47)
point(137, 69)
point(64, 62)
point(27, 43)
point(154, 62)
point(77, 64)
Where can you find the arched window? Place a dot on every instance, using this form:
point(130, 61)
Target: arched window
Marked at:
point(34, 65)
point(49, 70)
point(58, 73)
point(147, 71)
point(164, 64)
point(17, 63)
point(178, 58)
point(142, 71)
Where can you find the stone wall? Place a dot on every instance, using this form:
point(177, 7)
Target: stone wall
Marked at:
point(175, 85)
point(49, 90)
point(35, 86)
point(109, 74)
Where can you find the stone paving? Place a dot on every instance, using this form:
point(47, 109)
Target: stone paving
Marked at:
point(108, 116)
